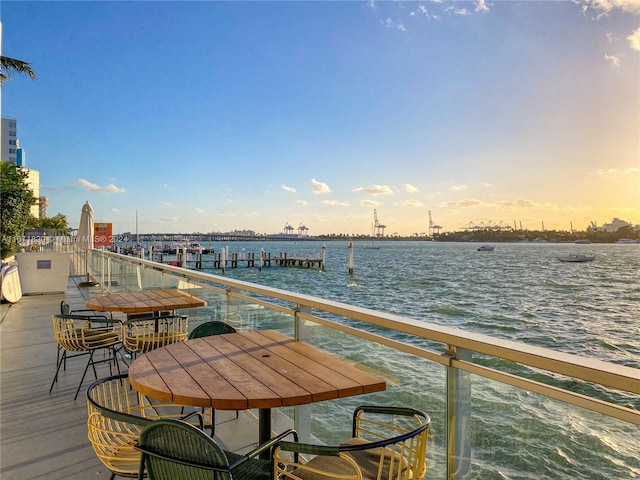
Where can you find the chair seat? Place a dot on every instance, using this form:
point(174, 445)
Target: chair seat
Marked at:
point(370, 460)
point(327, 468)
point(255, 469)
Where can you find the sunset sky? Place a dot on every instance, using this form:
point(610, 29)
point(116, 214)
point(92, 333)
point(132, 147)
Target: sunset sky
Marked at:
point(216, 116)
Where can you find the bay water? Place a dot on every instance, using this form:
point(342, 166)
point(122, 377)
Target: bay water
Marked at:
point(520, 292)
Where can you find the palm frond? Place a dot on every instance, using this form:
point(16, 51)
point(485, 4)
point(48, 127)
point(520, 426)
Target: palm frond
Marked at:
point(9, 65)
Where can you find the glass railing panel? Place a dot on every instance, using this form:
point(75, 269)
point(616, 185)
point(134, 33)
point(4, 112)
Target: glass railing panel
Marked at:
point(411, 381)
point(519, 434)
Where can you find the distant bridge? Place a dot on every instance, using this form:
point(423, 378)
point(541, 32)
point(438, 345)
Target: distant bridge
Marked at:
point(217, 237)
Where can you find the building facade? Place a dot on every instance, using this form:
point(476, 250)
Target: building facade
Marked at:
point(9, 147)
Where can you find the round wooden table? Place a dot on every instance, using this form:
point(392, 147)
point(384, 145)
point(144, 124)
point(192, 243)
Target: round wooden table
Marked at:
point(238, 371)
point(144, 301)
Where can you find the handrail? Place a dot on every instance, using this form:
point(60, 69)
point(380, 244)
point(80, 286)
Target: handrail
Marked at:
point(610, 375)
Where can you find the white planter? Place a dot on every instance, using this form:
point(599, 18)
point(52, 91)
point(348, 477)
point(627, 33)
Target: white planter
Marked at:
point(43, 272)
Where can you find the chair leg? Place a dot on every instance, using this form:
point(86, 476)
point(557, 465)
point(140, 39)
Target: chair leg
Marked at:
point(60, 361)
point(90, 362)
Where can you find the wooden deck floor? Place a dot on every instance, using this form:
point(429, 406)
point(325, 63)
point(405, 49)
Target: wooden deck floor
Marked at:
point(43, 435)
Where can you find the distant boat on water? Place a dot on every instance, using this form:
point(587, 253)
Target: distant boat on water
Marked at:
point(576, 258)
point(486, 248)
point(583, 241)
point(627, 241)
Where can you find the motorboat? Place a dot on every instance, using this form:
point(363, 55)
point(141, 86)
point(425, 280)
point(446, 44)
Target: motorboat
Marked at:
point(576, 258)
point(486, 248)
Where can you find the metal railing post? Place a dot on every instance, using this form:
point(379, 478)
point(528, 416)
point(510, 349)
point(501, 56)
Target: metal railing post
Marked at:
point(458, 417)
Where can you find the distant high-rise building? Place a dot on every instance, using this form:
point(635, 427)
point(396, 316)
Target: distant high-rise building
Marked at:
point(21, 155)
point(13, 153)
point(9, 147)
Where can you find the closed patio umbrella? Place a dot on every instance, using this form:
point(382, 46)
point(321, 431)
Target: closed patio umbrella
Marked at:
point(85, 239)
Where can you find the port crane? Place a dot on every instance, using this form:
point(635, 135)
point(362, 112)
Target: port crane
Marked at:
point(378, 228)
point(433, 228)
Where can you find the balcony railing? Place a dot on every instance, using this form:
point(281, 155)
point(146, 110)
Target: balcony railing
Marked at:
point(499, 408)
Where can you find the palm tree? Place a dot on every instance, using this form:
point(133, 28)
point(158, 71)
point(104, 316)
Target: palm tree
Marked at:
point(9, 65)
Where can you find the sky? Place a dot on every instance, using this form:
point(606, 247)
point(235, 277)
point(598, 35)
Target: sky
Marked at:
point(219, 116)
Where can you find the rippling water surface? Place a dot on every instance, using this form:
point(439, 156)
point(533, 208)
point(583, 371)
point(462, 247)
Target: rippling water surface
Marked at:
point(519, 292)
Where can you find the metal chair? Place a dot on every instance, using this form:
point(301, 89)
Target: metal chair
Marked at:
point(173, 449)
point(116, 416)
point(65, 309)
point(207, 329)
point(387, 443)
point(85, 335)
point(141, 335)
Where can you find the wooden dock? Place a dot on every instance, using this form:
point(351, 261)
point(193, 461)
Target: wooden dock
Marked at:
point(223, 260)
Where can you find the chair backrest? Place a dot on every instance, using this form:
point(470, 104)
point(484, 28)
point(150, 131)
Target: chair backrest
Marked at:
point(114, 423)
point(116, 416)
point(85, 332)
point(173, 449)
point(212, 327)
point(387, 443)
point(400, 430)
point(142, 335)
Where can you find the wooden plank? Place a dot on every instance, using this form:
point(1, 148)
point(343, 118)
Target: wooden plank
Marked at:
point(210, 369)
point(184, 390)
point(285, 391)
point(145, 379)
point(298, 370)
point(349, 379)
point(145, 301)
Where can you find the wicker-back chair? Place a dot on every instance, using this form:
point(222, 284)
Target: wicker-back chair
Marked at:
point(387, 443)
point(79, 335)
point(141, 335)
point(116, 416)
point(173, 449)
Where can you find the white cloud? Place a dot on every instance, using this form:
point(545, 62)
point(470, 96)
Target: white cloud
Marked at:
point(374, 190)
point(370, 203)
point(410, 188)
point(409, 203)
point(464, 203)
point(421, 10)
point(199, 210)
point(521, 203)
point(395, 25)
point(335, 203)
point(606, 6)
point(287, 189)
point(166, 204)
point(94, 187)
point(613, 60)
point(617, 171)
point(302, 202)
point(456, 11)
point(457, 188)
point(115, 210)
point(481, 6)
point(634, 40)
point(319, 187)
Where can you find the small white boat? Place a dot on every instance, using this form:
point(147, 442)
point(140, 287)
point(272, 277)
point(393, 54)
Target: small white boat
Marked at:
point(576, 258)
point(486, 248)
point(627, 241)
